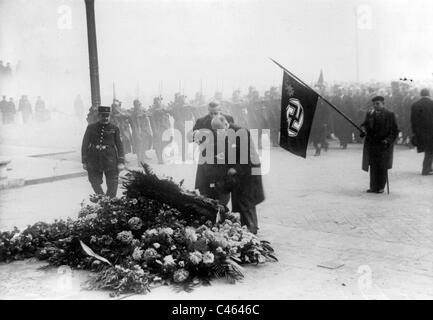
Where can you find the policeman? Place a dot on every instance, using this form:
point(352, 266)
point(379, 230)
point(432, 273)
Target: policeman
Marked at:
point(102, 153)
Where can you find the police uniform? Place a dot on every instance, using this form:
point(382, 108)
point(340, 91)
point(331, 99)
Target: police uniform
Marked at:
point(102, 152)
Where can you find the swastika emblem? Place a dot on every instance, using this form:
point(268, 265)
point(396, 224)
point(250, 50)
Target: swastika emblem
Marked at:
point(295, 117)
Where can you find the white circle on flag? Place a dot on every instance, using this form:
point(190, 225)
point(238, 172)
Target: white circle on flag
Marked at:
point(295, 117)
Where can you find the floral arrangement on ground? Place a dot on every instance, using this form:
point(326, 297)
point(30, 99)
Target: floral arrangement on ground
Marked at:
point(156, 233)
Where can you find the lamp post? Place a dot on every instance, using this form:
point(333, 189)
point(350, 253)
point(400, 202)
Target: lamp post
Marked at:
point(93, 60)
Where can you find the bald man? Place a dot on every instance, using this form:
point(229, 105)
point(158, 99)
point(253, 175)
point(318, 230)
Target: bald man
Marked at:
point(236, 177)
point(202, 182)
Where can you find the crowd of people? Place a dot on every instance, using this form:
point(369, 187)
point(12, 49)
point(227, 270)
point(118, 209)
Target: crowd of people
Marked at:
point(383, 116)
point(9, 110)
point(142, 127)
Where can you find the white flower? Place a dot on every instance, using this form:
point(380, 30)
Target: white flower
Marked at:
point(181, 264)
point(208, 257)
point(195, 257)
point(168, 231)
point(150, 254)
point(190, 234)
point(135, 223)
point(151, 232)
point(233, 249)
point(137, 254)
point(219, 250)
point(125, 236)
point(156, 245)
point(168, 260)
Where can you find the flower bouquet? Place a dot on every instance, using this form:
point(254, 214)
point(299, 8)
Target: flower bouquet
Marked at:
point(157, 233)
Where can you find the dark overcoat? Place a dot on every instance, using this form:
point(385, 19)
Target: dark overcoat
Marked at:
point(249, 190)
point(381, 132)
point(422, 124)
point(202, 180)
point(102, 149)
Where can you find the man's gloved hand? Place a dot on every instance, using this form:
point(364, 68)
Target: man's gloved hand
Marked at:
point(362, 134)
point(120, 166)
point(85, 166)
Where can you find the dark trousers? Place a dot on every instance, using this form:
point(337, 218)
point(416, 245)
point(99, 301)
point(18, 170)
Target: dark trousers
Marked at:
point(248, 214)
point(378, 176)
point(427, 163)
point(111, 178)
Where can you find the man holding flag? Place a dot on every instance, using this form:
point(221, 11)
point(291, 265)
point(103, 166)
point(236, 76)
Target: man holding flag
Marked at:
point(298, 105)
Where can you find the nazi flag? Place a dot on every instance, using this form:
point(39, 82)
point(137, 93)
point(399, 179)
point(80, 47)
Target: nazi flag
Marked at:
point(298, 104)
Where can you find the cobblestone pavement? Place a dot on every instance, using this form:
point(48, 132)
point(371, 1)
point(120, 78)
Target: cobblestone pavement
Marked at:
point(316, 211)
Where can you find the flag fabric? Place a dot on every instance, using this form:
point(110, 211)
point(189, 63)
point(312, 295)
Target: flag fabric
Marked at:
point(298, 104)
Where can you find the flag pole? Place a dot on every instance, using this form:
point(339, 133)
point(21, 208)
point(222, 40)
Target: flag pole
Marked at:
point(321, 97)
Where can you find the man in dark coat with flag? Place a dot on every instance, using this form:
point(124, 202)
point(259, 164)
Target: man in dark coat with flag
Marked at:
point(422, 128)
point(239, 173)
point(381, 131)
point(202, 124)
point(102, 153)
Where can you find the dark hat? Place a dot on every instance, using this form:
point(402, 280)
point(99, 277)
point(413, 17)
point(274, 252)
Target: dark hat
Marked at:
point(213, 105)
point(424, 92)
point(378, 98)
point(103, 109)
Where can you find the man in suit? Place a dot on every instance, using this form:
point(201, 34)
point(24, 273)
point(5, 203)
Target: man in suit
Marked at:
point(422, 128)
point(381, 132)
point(102, 153)
point(202, 128)
point(238, 171)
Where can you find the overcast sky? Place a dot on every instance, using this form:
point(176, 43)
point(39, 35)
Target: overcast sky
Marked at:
point(151, 45)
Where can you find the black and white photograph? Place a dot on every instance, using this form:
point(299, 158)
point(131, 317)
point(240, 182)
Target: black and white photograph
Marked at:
point(216, 150)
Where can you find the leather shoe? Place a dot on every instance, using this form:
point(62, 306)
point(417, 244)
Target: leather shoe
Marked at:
point(370, 191)
point(427, 173)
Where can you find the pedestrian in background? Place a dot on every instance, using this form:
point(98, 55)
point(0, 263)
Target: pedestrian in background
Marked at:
point(422, 128)
point(381, 132)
